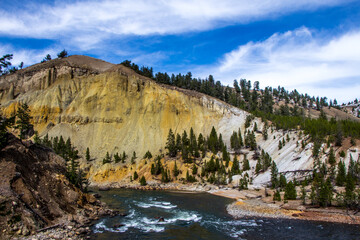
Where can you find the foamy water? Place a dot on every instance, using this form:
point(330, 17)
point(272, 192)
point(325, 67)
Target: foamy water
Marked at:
point(169, 215)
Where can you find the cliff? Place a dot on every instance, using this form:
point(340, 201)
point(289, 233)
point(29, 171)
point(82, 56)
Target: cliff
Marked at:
point(110, 108)
point(34, 192)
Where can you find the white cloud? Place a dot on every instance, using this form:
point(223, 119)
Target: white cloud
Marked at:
point(89, 22)
point(29, 57)
point(298, 59)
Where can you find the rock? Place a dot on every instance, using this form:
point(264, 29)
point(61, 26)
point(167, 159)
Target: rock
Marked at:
point(70, 227)
point(104, 188)
point(96, 195)
point(295, 215)
point(161, 219)
point(81, 231)
point(118, 225)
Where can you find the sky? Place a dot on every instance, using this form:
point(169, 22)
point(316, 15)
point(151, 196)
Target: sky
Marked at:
point(309, 45)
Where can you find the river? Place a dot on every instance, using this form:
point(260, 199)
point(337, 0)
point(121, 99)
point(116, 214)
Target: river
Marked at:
point(180, 215)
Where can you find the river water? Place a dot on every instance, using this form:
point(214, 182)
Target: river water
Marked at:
point(200, 216)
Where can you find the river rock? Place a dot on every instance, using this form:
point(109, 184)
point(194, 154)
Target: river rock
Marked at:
point(104, 188)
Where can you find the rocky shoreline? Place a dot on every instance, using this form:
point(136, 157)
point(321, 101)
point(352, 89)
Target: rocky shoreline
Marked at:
point(72, 227)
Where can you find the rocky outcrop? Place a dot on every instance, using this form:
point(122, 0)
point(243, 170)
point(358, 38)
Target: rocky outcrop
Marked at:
point(35, 194)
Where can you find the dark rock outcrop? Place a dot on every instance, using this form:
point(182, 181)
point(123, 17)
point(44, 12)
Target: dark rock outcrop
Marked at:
point(35, 194)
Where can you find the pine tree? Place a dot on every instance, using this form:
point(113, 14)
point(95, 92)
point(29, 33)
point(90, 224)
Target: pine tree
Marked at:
point(341, 175)
point(143, 181)
point(213, 141)
point(246, 165)
point(124, 157)
point(135, 175)
point(170, 144)
point(194, 169)
point(117, 158)
point(107, 158)
point(133, 158)
point(349, 189)
point(148, 155)
point(280, 145)
point(235, 169)
point(277, 196)
point(87, 154)
point(303, 194)
point(290, 192)
point(274, 175)
point(325, 193)
point(332, 159)
point(282, 182)
point(23, 120)
point(176, 170)
point(225, 156)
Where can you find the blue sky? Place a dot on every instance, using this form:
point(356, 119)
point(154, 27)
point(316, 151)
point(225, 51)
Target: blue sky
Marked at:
point(310, 45)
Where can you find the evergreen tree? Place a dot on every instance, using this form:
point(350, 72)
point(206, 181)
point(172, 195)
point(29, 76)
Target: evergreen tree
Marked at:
point(165, 178)
point(277, 196)
point(176, 170)
point(282, 181)
point(124, 157)
point(117, 158)
point(194, 169)
point(290, 192)
point(87, 154)
point(107, 158)
point(63, 54)
point(349, 189)
point(280, 145)
point(246, 165)
point(143, 181)
point(148, 155)
point(341, 174)
point(135, 175)
point(133, 158)
point(178, 143)
point(325, 193)
point(332, 159)
point(303, 194)
point(170, 144)
point(225, 156)
point(274, 175)
point(23, 120)
point(213, 141)
point(235, 169)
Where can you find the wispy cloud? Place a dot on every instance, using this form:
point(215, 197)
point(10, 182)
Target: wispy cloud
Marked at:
point(87, 23)
point(298, 59)
point(27, 56)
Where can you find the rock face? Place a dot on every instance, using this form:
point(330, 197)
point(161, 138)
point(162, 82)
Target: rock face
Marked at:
point(34, 193)
point(109, 107)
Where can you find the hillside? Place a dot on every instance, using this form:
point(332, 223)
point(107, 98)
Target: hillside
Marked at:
point(111, 111)
point(111, 108)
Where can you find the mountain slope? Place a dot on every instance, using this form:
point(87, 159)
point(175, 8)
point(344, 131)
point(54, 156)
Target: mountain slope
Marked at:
point(110, 108)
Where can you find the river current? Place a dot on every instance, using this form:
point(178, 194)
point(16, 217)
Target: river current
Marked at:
point(179, 215)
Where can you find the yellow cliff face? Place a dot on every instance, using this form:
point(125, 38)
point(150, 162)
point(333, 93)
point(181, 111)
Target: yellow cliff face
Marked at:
point(114, 110)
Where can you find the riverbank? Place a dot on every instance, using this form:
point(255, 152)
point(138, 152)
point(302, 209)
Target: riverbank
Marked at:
point(257, 202)
point(74, 227)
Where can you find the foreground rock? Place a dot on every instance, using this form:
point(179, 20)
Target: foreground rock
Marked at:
point(35, 195)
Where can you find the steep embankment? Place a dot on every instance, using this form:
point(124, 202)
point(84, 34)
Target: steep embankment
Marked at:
point(34, 192)
point(110, 108)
